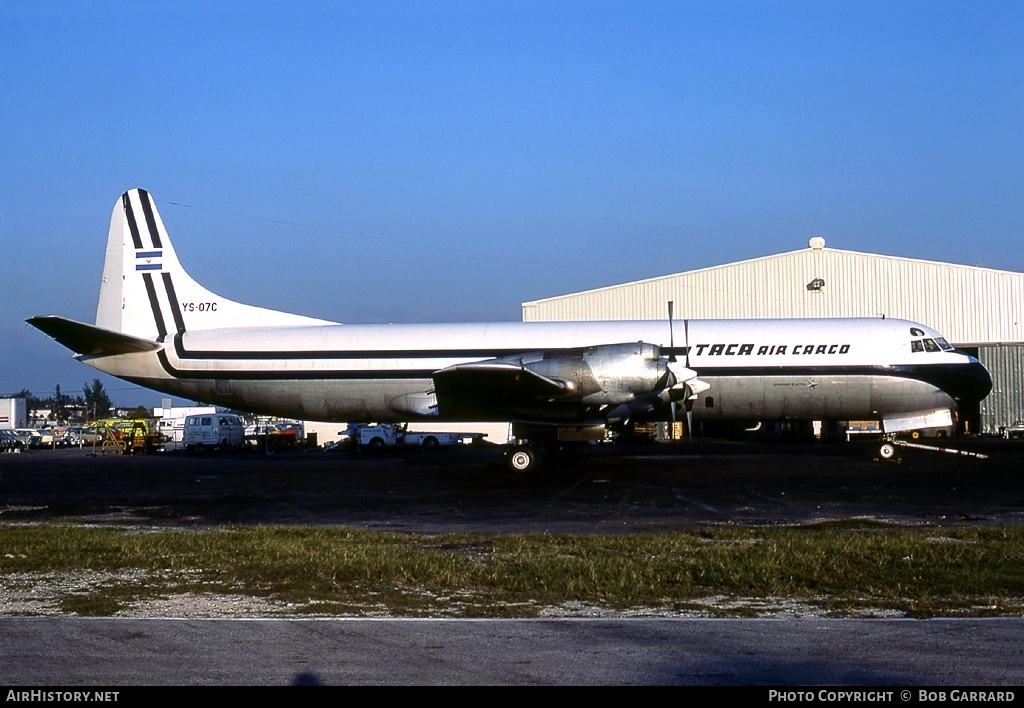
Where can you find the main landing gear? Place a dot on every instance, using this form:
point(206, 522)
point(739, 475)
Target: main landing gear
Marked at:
point(522, 459)
point(525, 458)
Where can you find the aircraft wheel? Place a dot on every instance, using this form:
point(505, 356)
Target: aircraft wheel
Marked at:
point(887, 451)
point(522, 459)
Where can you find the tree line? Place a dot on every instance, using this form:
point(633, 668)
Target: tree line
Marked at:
point(94, 402)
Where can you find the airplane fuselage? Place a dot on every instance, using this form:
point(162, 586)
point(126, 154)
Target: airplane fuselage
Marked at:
point(757, 369)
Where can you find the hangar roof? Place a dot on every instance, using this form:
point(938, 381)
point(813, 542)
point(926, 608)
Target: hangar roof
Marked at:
point(969, 305)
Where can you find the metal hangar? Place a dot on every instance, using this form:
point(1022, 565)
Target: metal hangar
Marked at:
point(979, 310)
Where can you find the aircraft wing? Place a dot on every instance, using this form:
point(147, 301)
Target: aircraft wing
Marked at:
point(602, 382)
point(492, 385)
point(89, 340)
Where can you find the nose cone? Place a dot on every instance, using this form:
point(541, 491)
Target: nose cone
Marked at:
point(970, 382)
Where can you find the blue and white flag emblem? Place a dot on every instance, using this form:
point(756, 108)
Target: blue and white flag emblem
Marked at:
point(148, 260)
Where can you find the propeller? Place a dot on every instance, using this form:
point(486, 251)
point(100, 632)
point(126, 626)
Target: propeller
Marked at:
point(687, 385)
point(671, 360)
point(682, 375)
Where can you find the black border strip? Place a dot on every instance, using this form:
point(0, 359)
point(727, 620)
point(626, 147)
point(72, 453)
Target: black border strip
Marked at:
point(161, 330)
point(304, 375)
point(172, 298)
point(126, 202)
point(147, 210)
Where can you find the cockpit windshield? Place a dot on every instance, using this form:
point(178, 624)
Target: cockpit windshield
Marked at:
point(927, 344)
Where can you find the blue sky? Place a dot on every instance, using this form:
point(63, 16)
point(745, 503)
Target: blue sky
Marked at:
point(447, 161)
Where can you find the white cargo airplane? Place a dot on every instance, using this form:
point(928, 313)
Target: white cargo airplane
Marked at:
point(157, 327)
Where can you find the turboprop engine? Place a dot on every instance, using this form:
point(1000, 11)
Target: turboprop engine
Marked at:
point(610, 374)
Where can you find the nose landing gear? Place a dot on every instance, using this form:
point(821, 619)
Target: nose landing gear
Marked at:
point(887, 450)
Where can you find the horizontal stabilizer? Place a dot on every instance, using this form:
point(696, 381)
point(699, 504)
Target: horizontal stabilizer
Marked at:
point(89, 340)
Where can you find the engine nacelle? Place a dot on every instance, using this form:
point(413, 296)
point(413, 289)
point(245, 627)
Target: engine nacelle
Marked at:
point(606, 374)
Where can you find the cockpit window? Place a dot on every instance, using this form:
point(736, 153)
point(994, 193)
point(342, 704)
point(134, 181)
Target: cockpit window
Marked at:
point(930, 345)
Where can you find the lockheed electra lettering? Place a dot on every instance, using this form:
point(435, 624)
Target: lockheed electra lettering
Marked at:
point(157, 327)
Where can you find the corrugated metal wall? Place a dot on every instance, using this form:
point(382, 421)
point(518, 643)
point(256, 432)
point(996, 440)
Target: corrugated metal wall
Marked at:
point(968, 305)
point(1006, 402)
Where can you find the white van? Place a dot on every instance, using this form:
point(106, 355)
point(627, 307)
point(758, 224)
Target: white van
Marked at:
point(213, 430)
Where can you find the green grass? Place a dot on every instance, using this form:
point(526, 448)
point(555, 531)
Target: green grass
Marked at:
point(852, 569)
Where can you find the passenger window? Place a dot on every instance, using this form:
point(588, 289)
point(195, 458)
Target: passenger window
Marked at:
point(916, 346)
point(709, 401)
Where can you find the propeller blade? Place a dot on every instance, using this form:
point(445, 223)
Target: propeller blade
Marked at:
point(671, 333)
point(689, 424)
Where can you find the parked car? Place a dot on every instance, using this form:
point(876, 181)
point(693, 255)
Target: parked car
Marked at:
point(1013, 431)
point(30, 436)
point(77, 434)
point(46, 437)
point(10, 442)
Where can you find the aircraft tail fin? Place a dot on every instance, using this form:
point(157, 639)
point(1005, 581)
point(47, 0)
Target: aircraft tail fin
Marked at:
point(146, 292)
